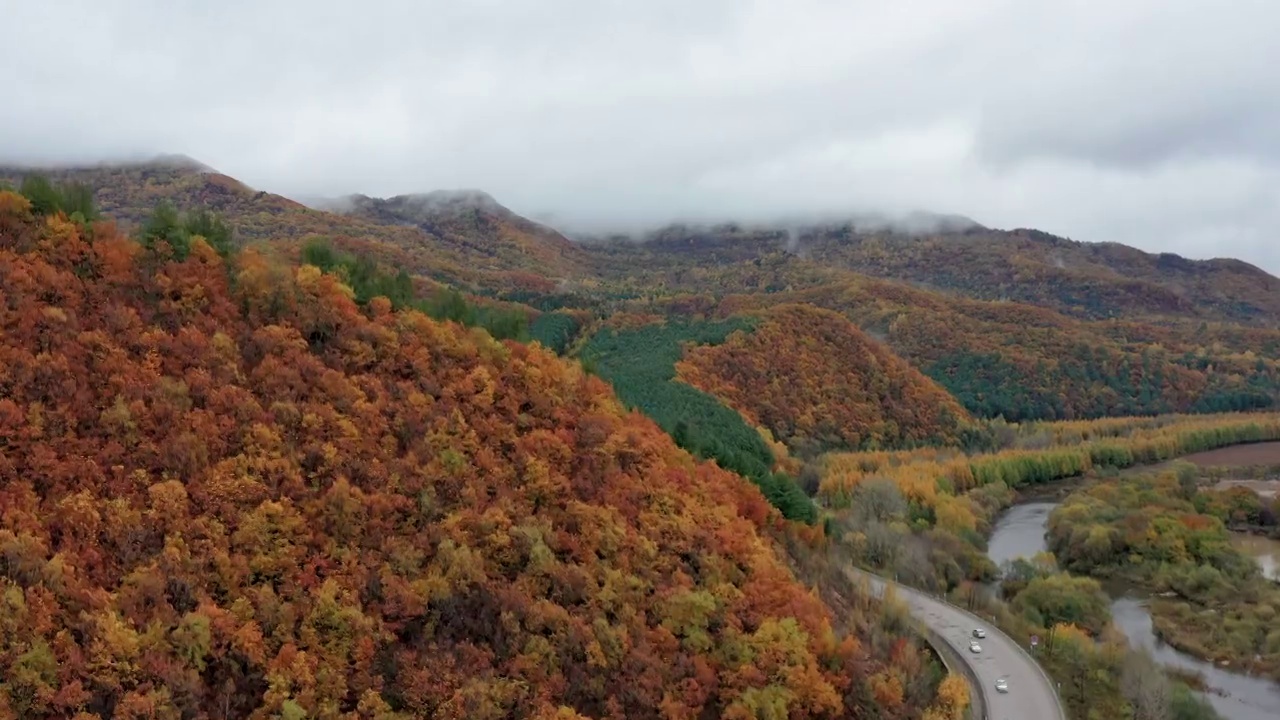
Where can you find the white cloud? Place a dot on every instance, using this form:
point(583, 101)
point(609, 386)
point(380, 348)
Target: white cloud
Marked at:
point(1146, 122)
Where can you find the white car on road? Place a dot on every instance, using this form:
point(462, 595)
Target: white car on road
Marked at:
point(974, 647)
point(1002, 685)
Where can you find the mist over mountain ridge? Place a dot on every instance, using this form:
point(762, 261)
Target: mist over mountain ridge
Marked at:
point(912, 223)
point(166, 161)
point(433, 201)
point(453, 200)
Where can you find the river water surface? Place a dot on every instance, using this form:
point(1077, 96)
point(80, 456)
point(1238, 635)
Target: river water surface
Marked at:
point(1264, 551)
point(1020, 532)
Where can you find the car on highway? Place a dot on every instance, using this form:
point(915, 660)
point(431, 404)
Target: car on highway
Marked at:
point(974, 647)
point(1002, 685)
point(979, 633)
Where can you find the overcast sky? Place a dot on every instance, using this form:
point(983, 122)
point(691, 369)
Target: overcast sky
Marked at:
point(1150, 122)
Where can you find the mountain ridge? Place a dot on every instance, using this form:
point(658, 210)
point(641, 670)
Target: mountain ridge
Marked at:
point(1080, 278)
point(798, 233)
point(1020, 323)
point(470, 252)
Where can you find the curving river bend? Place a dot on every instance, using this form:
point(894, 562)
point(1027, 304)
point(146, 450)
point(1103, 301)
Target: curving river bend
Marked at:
point(1020, 532)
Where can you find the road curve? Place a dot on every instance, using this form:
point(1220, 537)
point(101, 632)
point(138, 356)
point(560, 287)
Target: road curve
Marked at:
point(1030, 696)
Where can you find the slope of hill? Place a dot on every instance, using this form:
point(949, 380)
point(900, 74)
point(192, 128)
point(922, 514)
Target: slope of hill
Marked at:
point(476, 222)
point(817, 382)
point(223, 499)
point(638, 356)
point(482, 248)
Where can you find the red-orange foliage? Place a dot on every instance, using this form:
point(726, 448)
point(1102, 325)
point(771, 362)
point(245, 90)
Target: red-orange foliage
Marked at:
point(814, 379)
point(221, 502)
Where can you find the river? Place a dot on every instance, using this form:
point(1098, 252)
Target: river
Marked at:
point(1020, 532)
point(1264, 550)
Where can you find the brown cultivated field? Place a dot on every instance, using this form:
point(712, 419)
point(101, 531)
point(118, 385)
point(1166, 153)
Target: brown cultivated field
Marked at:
point(1267, 453)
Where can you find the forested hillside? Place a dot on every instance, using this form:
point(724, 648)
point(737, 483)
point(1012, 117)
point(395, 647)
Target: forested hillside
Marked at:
point(476, 222)
point(230, 486)
point(817, 382)
point(1086, 280)
point(1080, 279)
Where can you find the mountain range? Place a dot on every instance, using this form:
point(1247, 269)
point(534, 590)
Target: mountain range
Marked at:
point(1020, 324)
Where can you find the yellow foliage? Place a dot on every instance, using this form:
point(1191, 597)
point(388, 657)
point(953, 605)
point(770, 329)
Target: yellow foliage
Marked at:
point(1041, 452)
point(953, 698)
point(955, 515)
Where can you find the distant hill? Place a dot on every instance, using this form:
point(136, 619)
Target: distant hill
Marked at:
point(1086, 280)
point(473, 220)
point(1092, 280)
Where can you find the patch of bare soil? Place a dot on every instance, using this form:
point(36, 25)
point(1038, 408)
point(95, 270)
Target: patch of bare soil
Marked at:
point(1267, 453)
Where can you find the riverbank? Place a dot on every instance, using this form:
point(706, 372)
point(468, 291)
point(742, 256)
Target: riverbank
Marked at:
point(1263, 547)
point(1186, 629)
point(1235, 696)
point(1153, 530)
point(1020, 532)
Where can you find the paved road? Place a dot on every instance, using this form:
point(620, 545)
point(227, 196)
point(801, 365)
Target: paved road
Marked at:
point(1030, 695)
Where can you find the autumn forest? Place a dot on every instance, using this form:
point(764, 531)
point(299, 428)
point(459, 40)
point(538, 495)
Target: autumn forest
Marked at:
point(259, 459)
